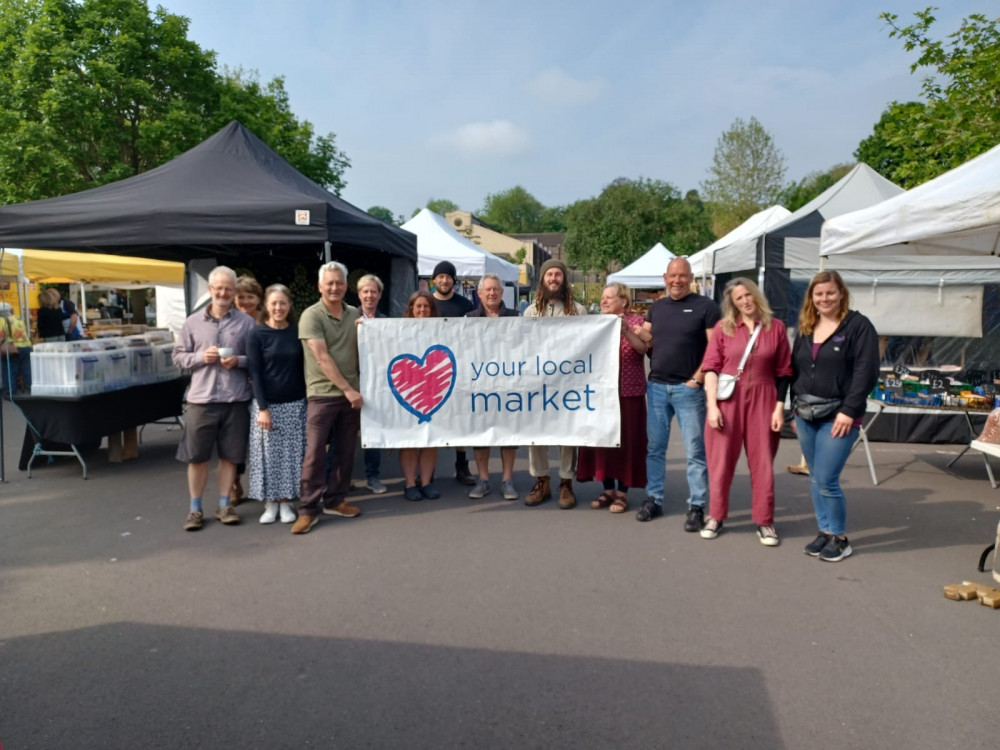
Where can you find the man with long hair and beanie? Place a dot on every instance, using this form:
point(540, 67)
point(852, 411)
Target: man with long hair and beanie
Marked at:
point(554, 299)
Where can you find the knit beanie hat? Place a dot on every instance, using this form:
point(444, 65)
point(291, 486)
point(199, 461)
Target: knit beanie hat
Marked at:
point(445, 267)
point(554, 263)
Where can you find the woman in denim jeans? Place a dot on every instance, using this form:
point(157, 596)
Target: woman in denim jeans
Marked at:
point(835, 357)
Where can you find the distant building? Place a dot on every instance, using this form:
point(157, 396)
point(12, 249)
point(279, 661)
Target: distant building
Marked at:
point(502, 245)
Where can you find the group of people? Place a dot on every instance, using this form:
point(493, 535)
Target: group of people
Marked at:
point(288, 390)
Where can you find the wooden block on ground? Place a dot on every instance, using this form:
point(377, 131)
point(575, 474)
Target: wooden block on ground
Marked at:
point(131, 447)
point(115, 448)
point(961, 592)
point(990, 598)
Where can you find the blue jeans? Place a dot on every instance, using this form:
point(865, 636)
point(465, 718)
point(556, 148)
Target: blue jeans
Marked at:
point(688, 404)
point(373, 462)
point(826, 456)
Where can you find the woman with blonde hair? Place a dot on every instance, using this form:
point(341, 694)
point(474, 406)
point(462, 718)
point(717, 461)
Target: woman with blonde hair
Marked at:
point(835, 361)
point(748, 343)
point(625, 466)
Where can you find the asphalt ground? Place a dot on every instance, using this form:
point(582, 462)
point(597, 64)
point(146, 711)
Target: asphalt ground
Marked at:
point(486, 624)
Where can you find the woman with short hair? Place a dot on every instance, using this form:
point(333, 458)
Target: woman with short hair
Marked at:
point(625, 466)
point(412, 460)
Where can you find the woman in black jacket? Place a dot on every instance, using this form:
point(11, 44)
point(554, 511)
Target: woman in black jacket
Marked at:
point(835, 365)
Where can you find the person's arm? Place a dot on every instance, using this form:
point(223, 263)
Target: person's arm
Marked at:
point(697, 380)
point(186, 354)
point(633, 338)
point(863, 377)
point(332, 372)
point(255, 367)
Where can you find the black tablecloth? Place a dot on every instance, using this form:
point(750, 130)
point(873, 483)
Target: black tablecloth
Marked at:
point(81, 420)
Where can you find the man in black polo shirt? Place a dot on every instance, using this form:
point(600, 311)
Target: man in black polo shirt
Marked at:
point(452, 305)
point(678, 326)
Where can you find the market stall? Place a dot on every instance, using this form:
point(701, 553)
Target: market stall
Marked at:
point(646, 272)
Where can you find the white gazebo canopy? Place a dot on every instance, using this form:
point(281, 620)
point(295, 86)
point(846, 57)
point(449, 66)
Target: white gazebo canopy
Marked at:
point(437, 241)
point(742, 239)
point(647, 271)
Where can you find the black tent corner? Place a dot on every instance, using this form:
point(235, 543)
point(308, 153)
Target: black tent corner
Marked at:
point(231, 197)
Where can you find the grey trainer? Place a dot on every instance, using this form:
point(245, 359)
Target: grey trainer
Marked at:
point(480, 490)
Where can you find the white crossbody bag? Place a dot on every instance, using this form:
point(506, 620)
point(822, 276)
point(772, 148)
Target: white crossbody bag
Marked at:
point(727, 383)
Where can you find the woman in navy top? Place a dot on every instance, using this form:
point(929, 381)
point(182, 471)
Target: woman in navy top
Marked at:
point(278, 413)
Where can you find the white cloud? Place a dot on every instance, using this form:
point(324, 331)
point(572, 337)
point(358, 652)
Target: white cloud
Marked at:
point(555, 87)
point(498, 138)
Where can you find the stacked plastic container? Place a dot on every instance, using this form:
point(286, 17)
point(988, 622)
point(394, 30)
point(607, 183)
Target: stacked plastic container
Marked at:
point(80, 368)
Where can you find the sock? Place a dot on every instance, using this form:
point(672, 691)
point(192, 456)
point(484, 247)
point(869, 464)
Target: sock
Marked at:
point(223, 501)
point(196, 505)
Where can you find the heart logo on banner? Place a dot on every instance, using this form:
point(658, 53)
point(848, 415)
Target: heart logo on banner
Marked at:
point(422, 385)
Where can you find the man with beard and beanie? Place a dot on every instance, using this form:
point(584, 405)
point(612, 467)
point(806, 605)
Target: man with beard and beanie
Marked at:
point(452, 305)
point(554, 299)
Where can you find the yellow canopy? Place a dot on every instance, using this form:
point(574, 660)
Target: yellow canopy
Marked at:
point(8, 266)
point(59, 266)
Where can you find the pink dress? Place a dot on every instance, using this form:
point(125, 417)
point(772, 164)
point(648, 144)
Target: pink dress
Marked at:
point(746, 416)
point(627, 463)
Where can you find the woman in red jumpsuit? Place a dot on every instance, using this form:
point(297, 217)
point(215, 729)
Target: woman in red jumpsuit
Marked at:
point(752, 417)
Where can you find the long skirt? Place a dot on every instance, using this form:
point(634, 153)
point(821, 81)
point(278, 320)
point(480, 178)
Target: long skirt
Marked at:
point(276, 454)
point(627, 463)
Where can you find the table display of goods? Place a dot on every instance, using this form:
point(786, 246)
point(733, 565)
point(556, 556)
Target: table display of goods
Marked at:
point(936, 389)
point(81, 368)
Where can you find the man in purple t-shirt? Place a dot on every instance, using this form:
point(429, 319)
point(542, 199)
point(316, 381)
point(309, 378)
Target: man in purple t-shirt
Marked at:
point(678, 327)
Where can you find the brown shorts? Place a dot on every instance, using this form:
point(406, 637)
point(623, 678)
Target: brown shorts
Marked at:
point(225, 427)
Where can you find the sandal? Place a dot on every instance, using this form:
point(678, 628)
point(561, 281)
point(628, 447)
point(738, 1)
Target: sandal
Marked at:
point(620, 505)
point(606, 500)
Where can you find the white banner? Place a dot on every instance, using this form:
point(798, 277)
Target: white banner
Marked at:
point(489, 381)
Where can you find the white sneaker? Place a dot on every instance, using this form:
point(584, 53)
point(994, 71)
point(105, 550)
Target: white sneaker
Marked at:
point(711, 529)
point(288, 514)
point(270, 514)
point(768, 536)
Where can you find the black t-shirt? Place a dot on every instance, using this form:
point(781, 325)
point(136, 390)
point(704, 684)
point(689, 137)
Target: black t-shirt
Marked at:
point(679, 339)
point(455, 307)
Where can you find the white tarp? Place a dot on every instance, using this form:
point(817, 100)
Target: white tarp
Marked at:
point(647, 271)
point(502, 381)
point(737, 250)
point(946, 231)
point(955, 214)
point(437, 241)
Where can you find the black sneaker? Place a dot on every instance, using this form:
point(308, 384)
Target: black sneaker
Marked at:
point(816, 545)
point(649, 510)
point(695, 520)
point(836, 550)
point(462, 476)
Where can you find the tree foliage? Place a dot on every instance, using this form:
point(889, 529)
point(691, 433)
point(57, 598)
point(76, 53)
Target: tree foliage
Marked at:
point(513, 211)
point(960, 115)
point(628, 218)
point(439, 206)
point(798, 194)
point(382, 214)
point(92, 91)
point(746, 174)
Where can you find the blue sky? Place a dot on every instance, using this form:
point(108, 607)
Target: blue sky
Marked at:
point(461, 99)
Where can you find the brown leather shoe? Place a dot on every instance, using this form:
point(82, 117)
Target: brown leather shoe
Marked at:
point(567, 499)
point(303, 523)
point(345, 509)
point(539, 493)
point(235, 493)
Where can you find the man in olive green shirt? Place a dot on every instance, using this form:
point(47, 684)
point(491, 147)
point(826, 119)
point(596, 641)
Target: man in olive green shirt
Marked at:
point(329, 337)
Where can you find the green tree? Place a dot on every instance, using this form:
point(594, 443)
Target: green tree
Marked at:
point(439, 206)
point(960, 115)
point(554, 219)
point(513, 211)
point(265, 110)
point(798, 194)
point(382, 214)
point(92, 91)
point(746, 174)
point(628, 218)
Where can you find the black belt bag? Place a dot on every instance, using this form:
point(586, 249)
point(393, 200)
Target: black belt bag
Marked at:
point(814, 408)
